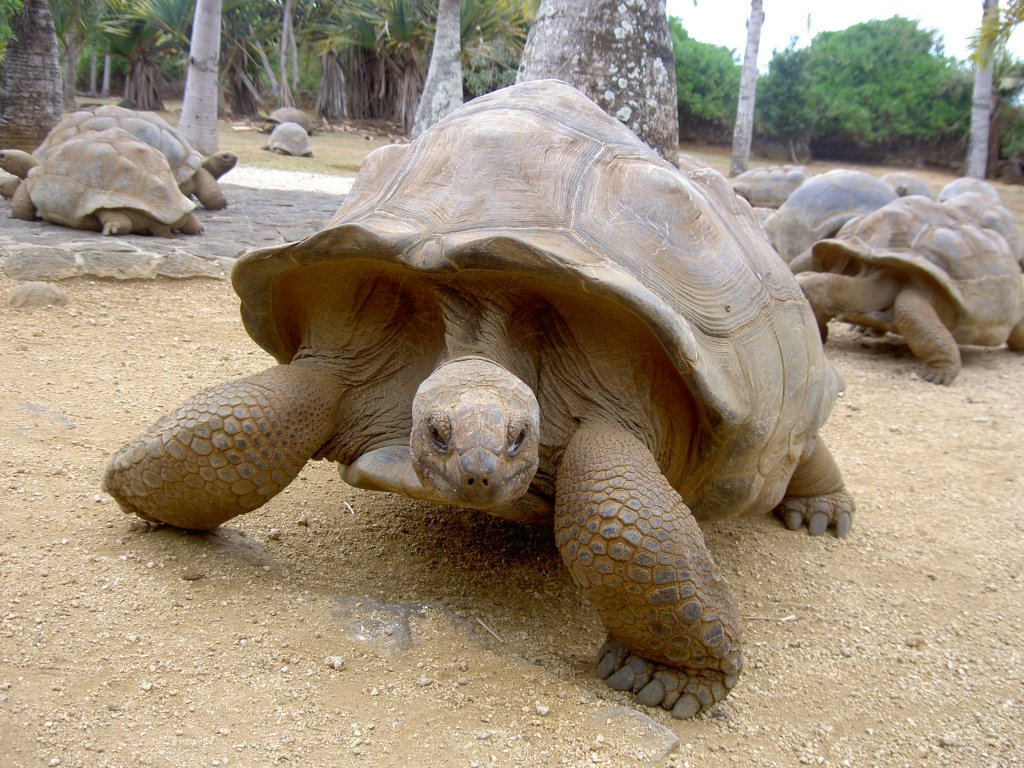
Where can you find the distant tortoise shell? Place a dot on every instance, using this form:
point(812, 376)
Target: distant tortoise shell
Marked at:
point(907, 184)
point(290, 139)
point(821, 206)
point(941, 247)
point(770, 187)
point(145, 126)
point(968, 184)
point(108, 169)
point(980, 208)
point(292, 115)
point(534, 185)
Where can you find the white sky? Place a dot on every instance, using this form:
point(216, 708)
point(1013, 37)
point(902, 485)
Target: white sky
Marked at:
point(723, 22)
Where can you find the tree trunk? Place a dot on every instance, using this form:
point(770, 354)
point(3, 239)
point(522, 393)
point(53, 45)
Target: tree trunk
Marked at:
point(284, 96)
point(198, 123)
point(330, 99)
point(981, 104)
point(71, 54)
point(31, 94)
point(142, 85)
point(744, 129)
point(442, 92)
point(619, 54)
point(107, 66)
point(93, 70)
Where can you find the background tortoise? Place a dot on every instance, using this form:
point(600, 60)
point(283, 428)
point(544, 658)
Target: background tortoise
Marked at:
point(193, 174)
point(289, 139)
point(770, 187)
point(527, 311)
point(107, 181)
point(929, 273)
point(291, 115)
point(968, 184)
point(819, 208)
point(989, 213)
point(907, 184)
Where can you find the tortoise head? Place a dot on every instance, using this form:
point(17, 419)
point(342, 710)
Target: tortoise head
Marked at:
point(475, 433)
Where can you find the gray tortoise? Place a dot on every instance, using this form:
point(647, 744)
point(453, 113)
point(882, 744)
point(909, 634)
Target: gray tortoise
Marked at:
point(289, 139)
point(906, 184)
point(526, 311)
point(770, 187)
point(924, 270)
point(291, 115)
point(819, 208)
point(107, 181)
point(193, 174)
point(989, 213)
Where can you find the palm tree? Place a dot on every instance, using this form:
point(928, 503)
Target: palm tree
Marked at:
point(442, 92)
point(31, 96)
point(145, 32)
point(630, 75)
point(744, 130)
point(198, 123)
point(981, 104)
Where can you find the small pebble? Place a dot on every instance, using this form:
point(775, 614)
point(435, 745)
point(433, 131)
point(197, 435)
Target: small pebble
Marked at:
point(335, 662)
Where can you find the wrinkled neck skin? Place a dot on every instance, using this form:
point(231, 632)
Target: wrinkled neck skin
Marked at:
point(475, 433)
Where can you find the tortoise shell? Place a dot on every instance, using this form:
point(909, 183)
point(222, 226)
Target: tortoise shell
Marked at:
point(944, 249)
point(770, 187)
point(108, 169)
point(290, 139)
point(145, 126)
point(821, 206)
point(533, 189)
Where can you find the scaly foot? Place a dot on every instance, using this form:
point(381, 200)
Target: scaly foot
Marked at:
point(818, 513)
point(684, 693)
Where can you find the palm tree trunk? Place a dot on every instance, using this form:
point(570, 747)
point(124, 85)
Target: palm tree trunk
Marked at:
point(31, 94)
point(981, 104)
point(330, 99)
point(630, 73)
point(743, 132)
point(442, 92)
point(284, 98)
point(198, 123)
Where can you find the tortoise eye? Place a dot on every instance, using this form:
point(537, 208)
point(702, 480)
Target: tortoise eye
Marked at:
point(516, 434)
point(440, 429)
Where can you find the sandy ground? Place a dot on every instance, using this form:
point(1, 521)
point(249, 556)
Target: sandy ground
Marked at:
point(336, 627)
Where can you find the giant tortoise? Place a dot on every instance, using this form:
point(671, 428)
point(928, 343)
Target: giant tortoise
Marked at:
point(106, 181)
point(193, 174)
point(526, 311)
point(927, 271)
point(770, 187)
point(819, 207)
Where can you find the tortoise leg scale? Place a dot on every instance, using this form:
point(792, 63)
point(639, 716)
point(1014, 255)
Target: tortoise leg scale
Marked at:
point(636, 551)
point(227, 450)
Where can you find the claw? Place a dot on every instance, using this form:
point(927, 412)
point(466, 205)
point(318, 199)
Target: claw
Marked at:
point(818, 513)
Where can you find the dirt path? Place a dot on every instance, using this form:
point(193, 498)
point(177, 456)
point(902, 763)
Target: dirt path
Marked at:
point(459, 639)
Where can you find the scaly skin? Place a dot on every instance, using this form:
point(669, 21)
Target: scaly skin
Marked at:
point(633, 547)
point(226, 450)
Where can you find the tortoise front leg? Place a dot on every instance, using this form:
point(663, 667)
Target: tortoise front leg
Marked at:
point(226, 450)
point(816, 496)
point(22, 206)
point(915, 318)
point(635, 549)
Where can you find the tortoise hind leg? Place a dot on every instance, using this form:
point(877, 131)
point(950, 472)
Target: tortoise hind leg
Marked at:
point(227, 450)
point(816, 496)
point(632, 545)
